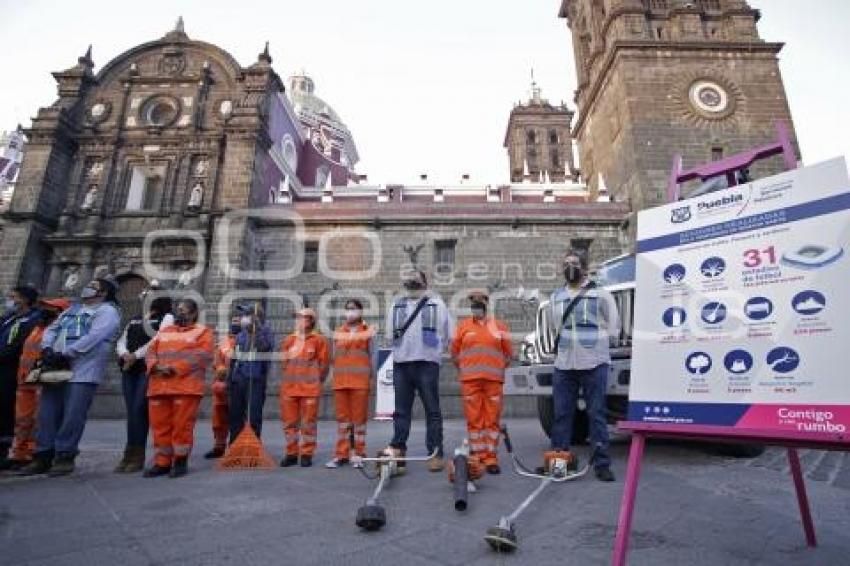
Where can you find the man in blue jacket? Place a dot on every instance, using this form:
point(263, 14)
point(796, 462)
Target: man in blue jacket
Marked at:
point(82, 339)
point(249, 374)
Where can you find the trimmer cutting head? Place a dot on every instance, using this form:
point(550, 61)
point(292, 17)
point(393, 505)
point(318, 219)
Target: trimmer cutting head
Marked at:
point(502, 538)
point(371, 517)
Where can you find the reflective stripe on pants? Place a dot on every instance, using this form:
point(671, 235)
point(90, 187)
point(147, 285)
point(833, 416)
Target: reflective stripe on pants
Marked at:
point(172, 419)
point(299, 424)
point(352, 410)
point(482, 406)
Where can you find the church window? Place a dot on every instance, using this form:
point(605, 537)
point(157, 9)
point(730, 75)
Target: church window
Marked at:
point(311, 257)
point(531, 137)
point(716, 153)
point(160, 111)
point(555, 159)
point(322, 176)
point(553, 137)
point(444, 256)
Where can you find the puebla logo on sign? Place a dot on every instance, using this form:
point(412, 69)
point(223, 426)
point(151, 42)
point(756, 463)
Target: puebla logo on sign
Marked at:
point(681, 214)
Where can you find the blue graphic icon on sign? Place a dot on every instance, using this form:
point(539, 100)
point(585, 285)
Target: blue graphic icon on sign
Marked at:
point(713, 267)
point(758, 308)
point(713, 313)
point(738, 361)
point(674, 317)
point(783, 359)
point(675, 273)
point(698, 363)
point(808, 302)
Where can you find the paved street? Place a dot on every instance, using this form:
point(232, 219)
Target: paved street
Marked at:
point(694, 508)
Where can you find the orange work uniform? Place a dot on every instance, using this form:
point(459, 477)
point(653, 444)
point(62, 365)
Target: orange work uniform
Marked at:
point(352, 373)
point(220, 408)
point(482, 351)
point(174, 399)
point(26, 398)
point(305, 365)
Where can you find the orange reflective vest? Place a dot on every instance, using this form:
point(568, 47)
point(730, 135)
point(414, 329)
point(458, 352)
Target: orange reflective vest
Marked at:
point(304, 363)
point(224, 353)
point(481, 349)
point(352, 363)
point(189, 351)
point(30, 352)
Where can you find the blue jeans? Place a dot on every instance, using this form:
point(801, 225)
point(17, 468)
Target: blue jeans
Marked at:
point(237, 398)
point(135, 388)
point(408, 378)
point(62, 414)
point(565, 386)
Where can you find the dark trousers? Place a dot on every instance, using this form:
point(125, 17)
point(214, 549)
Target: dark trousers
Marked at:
point(135, 388)
point(62, 413)
point(8, 387)
point(408, 379)
point(240, 392)
point(565, 386)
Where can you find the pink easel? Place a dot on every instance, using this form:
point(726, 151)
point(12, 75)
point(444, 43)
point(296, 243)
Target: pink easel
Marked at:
point(792, 440)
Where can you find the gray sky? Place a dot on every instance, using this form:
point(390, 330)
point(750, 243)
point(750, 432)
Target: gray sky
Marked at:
point(423, 86)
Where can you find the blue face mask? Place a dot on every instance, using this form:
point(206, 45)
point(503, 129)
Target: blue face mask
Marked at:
point(88, 293)
point(235, 328)
point(10, 305)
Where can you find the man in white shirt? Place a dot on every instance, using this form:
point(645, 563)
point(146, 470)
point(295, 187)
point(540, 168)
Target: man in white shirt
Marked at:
point(419, 328)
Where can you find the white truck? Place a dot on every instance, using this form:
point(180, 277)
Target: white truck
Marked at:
point(534, 376)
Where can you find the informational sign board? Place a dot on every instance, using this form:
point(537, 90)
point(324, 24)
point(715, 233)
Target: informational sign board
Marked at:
point(384, 392)
point(742, 313)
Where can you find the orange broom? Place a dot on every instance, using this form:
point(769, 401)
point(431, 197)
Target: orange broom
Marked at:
point(247, 452)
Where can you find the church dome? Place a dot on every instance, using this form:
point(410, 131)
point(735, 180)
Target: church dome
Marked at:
point(304, 100)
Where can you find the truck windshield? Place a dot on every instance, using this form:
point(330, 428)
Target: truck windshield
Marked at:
point(617, 271)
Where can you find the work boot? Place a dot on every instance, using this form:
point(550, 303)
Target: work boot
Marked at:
point(306, 461)
point(494, 469)
point(289, 460)
point(63, 465)
point(135, 460)
point(156, 471)
point(604, 473)
point(13, 465)
point(400, 466)
point(4, 457)
point(336, 463)
point(214, 454)
point(40, 465)
point(180, 467)
point(436, 464)
point(122, 465)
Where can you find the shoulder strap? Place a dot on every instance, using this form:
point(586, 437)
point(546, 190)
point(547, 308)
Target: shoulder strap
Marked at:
point(570, 308)
point(419, 306)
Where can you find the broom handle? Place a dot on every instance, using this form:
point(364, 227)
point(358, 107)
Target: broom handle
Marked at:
point(250, 352)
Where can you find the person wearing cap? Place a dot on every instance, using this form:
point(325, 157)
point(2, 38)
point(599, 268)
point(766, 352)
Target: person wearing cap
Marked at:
point(131, 348)
point(582, 358)
point(221, 370)
point(82, 340)
point(250, 367)
point(353, 368)
point(419, 327)
point(177, 360)
point(305, 355)
point(481, 350)
point(26, 398)
point(16, 324)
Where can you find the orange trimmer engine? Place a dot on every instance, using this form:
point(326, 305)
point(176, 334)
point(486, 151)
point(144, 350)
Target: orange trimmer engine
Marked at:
point(550, 458)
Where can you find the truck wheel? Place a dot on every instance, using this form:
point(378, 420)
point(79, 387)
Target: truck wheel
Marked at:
point(740, 450)
point(546, 414)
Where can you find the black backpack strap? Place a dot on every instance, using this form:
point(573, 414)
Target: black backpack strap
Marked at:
point(399, 332)
point(570, 308)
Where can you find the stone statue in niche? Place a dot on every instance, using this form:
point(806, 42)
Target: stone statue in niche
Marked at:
point(95, 169)
point(201, 168)
point(71, 278)
point(184, 280)
point(196, 197)
point(89, 199)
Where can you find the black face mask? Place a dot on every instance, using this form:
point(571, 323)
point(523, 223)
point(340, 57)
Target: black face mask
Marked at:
point(572, 273)
point(478, 305)
point(413, 285)
point(181, 319)
point(235, 328)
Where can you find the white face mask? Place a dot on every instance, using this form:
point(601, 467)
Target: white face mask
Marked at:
point(88, 293)
point(9, 304)
point(352, 315)
point(245, 321)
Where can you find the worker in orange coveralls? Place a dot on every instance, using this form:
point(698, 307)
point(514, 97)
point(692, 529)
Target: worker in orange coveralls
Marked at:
point(220, 408)
point(305, 358)
point(26, 397)
point(481, 350)
point(353, 368)
point(177, 360)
